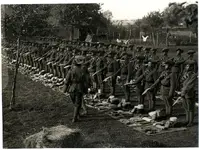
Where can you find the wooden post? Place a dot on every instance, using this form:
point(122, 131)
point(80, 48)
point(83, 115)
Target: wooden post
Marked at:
point(157, 43)
point(13, 102)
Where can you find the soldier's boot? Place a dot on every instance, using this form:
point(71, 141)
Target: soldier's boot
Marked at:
point(85, 112)
point(75, 114)
point(191, 118)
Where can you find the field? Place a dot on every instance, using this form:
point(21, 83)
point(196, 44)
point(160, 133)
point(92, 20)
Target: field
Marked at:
point(39, 106)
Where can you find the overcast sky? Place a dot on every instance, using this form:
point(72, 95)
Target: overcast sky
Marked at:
point(121, 9)
point(134, 9)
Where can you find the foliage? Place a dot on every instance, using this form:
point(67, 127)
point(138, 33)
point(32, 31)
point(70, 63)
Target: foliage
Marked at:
point(28, 19)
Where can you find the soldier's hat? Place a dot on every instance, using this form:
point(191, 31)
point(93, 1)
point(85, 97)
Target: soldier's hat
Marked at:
point(140, 57)
point(179, 49)
point(139, 47)
point(131, 45)
point(169, 62)
point(191, 52)
point(154, 49)
point(100, 43)
point(147, 49)
point(153, 61)
point(165, 50)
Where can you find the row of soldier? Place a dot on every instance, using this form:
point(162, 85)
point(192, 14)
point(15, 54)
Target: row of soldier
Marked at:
point(125, 65)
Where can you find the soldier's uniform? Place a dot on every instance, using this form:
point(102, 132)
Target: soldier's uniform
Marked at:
point(112, 70)
point(100, 65)
point(163, 59)
point(191, 57)
point(147, 54)
point(188, 92)
point(125, 75)
point(74, 85)
point(138, 71)
point(168, 85)
point(178, 67)
point(149, 76)
point(154, 55)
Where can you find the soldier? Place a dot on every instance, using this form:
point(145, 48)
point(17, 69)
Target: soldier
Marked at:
point(112, 68)
point(188, 92)
point(138, 51)
point(154, 55)
point(138, 71)
point(168, 85)
point(191, 57)
point(100, 66)
point(125, 75)
point(178, 66)
point(149, 76)
point(147, 54)
point(164, 58)
point(74, 85)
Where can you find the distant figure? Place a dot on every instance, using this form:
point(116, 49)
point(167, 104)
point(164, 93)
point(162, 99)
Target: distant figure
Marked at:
point(118, 41)
point(144, 38)
point(88, 38)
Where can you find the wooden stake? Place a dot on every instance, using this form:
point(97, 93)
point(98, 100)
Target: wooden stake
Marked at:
point(13, 102)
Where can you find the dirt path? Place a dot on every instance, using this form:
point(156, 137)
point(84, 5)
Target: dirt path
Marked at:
point(39, 106)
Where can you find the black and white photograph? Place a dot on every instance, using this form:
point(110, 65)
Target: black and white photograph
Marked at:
point(99, 74)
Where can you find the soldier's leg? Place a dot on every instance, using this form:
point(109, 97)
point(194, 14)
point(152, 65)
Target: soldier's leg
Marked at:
point(78, 102)
point(191, 108)
point(151, 101)
point(138, 93)
point(101, 84)
point(113, 86)
point(126, 90)
point(185, 105)
point(168, 104)
point(84, 107)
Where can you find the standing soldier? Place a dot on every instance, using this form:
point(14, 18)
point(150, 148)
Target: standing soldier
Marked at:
point(191, 57)
point(149, 76)
point(138, 51)
point(112, 71)
point(188, 91)
point(147, 54)
point(178, 66)
point(154, 55)
point(168, 84)
point(139, 70)
point(125, 75)
point(74, 85)
point(164, 58)
point(100, 65)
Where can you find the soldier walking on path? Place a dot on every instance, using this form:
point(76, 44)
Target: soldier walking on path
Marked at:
point(74, 85)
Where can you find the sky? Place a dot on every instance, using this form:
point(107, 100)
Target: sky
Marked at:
point(135, 9)
point(121, 9)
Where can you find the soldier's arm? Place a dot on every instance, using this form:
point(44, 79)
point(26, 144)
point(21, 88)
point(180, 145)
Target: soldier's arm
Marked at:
point(156, 83)
point(190, 85)
point(139, 79)
point(173, 80)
